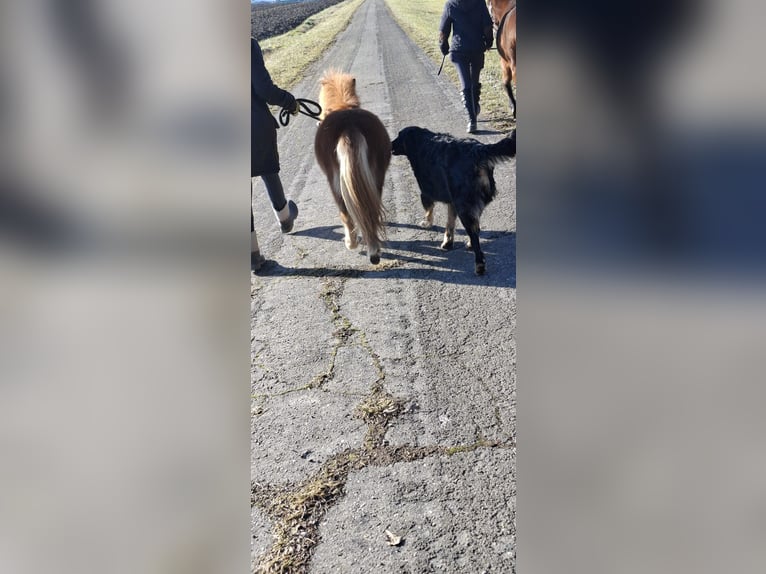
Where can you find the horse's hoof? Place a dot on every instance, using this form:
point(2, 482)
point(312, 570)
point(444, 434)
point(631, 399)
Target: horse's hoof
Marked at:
point(425, 224)
point(468, 245)
point(350, 245)
point(447, 245)
point(375, 259)
point(480, 268)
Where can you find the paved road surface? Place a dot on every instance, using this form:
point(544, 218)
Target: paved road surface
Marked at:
point(383, 397)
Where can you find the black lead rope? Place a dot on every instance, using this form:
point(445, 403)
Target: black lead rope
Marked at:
point(306, 107)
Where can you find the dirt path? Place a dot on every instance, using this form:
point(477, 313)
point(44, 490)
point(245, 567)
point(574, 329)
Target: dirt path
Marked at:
point(383, 397)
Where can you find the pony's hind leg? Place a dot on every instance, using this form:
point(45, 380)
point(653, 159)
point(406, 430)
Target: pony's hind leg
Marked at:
point(374, 252)
point(350, 231)
point(372, 242)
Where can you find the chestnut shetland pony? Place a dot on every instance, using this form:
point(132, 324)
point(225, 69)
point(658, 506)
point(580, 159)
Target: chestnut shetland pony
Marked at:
point(503, 14)
point(353, 149)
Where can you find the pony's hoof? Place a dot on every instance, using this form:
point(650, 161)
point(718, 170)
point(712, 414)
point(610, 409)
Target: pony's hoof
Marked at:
point(350, 245)
point(480, 268)
point(468, 245)
point(447, 245)
point(375, 259)
point(425, 224)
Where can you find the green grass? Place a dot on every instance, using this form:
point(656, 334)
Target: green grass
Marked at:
point(420, 20)
point(288, 56)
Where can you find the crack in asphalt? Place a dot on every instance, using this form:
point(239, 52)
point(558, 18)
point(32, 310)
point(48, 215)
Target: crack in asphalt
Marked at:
point(296, 510)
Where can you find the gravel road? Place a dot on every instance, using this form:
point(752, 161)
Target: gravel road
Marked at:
point(383, 396)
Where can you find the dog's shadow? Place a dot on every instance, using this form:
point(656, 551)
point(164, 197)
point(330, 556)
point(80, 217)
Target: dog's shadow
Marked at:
point(418, 258)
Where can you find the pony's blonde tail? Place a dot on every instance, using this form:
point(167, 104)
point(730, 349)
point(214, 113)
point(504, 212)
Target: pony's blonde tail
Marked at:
point(359, 190)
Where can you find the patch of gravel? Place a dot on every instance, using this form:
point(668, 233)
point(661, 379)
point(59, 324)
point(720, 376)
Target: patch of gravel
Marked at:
point(267, 20)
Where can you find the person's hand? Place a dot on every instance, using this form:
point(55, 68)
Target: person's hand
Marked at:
point(489, 37)
point(444, 47)
point(292, 105)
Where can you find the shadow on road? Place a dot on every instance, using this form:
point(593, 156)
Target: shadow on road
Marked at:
point(421, 259)
point(481, 131)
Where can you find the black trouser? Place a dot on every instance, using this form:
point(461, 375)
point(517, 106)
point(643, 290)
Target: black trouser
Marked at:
point(469, 66)
point(276, 195)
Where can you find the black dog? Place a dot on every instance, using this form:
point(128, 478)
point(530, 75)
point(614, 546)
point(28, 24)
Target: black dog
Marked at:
point(458, 172)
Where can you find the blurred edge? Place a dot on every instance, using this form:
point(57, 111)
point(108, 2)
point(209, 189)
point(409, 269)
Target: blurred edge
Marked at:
point(123, 391)
point(124, 387)
point(642, 251)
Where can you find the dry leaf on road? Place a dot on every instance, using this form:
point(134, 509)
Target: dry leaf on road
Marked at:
point(393, 539)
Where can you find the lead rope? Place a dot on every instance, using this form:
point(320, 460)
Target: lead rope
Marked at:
point(306, 107)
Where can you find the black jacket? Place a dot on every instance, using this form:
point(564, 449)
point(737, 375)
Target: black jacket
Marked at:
point(264, 158)
point(469, 21)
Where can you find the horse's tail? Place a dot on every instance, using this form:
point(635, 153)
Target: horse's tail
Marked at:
point(502, 150)
point(359, 189)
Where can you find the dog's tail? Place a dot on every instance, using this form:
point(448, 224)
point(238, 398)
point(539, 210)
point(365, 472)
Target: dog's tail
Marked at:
point(360, 191)
point(502, 150)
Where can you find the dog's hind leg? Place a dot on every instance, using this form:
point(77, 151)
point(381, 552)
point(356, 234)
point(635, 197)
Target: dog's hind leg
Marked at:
point(449, 230)
point(428, 205)
point(471, 225)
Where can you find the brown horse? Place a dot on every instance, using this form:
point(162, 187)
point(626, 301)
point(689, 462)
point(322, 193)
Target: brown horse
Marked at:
point(504, 18)
point(353, 149)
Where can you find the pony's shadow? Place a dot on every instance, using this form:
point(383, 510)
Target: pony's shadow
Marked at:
point(428, 260)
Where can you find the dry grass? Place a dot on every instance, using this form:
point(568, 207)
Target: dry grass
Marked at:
point(288, 56)
point(377, 410)
point(296, 515)
point(420, 20)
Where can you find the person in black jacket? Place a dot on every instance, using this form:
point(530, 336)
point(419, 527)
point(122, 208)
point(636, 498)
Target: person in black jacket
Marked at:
point(264, 157)
point(471, 27)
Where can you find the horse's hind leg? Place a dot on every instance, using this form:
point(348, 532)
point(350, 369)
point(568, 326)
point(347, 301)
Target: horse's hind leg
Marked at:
point(508, 77)
point(508, 83)
point(512, 98)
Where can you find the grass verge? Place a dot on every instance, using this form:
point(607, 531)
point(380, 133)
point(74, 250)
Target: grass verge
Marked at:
point(288, 56)
point(420, 20)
